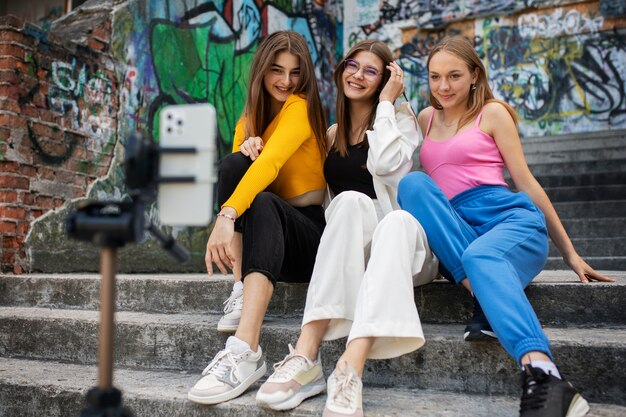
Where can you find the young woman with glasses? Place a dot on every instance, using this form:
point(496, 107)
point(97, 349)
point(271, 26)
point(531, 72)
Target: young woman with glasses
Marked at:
point(370, 255)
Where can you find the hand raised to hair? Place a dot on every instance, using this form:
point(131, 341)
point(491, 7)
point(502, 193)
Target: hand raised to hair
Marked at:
point(252, 147)
point(395, 86)
point(585, 273)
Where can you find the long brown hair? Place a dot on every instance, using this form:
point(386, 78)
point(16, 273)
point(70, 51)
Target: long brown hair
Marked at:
point(478, 96)
point(257, 108)
point(344, 124)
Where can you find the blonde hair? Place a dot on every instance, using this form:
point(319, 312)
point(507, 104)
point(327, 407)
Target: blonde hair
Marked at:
point(480, 92)
point(344, 124)
point(257, 107)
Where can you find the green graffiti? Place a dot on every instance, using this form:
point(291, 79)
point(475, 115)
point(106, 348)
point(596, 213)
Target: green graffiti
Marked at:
point(193, 66)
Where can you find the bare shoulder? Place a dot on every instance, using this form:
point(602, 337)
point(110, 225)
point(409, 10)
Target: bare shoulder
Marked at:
point(422, 117)
point(495, 111)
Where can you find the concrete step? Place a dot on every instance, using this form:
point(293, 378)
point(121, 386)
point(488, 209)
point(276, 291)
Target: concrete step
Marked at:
point(593, 179)
point(599, 227)
point(35, 389)
point(594, 358)
point(590, 209)
point(615, 263)
point(574, 142)
point(601, 246)
point(439, 302)
point(578, 167)
point(587, 192)
point(613, 152)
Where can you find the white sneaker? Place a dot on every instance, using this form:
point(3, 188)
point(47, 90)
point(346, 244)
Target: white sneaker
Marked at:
point(228, 376)
point(232, 312)
point(295, 379)
point(344, 393)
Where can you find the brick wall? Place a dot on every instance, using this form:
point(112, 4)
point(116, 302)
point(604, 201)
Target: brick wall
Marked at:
point(58, 120)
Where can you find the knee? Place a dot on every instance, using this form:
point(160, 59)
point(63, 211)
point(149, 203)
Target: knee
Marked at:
point(412, 186)
point(399, 219)
point(264, 201)
point(234, 165)
point(351, 202)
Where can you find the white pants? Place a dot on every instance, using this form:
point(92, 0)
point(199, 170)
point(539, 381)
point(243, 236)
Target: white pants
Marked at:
point(364, 276)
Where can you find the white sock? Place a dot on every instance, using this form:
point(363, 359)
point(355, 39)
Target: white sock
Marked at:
point(236, 345)
point(238, 286)
point(547, 367)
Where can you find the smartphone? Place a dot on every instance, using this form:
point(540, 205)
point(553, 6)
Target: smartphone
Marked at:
point(187, 164)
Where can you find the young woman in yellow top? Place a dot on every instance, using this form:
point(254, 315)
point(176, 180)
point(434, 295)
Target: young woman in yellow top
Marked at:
point(270, 191)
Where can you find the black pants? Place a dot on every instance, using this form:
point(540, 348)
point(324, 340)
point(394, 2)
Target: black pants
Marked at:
point(279, 240)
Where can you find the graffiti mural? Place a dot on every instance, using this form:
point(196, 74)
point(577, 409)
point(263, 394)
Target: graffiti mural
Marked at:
point(203, 54)
point(561, 72)
point(561, 68)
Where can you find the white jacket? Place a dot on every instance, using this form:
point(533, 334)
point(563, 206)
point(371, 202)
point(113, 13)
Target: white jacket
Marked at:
point(392, 142)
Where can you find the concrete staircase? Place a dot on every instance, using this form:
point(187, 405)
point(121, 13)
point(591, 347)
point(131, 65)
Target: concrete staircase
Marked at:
point(166, 334)
point(585, 177)
point(166, 325)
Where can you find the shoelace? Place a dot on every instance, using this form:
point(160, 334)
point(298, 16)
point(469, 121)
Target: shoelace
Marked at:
point(535, 391)
point(223, 361)
point(290, 364)
point(234, 301)
point(346, 390)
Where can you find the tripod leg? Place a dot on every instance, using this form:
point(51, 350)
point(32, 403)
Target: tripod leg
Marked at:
point(107, 311)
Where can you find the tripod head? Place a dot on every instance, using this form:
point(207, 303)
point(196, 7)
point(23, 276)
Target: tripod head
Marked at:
point(180, 174)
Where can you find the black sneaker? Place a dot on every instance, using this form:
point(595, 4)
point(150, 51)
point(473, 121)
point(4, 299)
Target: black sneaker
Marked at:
point(478, 328)
point(545, 395)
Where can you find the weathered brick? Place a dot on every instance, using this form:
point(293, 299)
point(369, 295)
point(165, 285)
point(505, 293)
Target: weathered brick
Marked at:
point(8, 257)
point(7, 227)
point(23, 227)
point(12, 21)
point(8, 76)
point(12, 120)
point(96, 45)
point(19, 183)
point(9, 197)
point(10, 63)
point(10, 242)
point(101, 33)
point(27, 199)
point(44, 202)
point(47, 173)
point(28, 170)
point(9, 105)
point(12, 212)
point(9, 49)
point(8, 166)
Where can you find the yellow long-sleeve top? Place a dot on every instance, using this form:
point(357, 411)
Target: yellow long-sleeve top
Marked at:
point(290, 163)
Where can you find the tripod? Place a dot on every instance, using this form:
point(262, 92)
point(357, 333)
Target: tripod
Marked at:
point(111, 225)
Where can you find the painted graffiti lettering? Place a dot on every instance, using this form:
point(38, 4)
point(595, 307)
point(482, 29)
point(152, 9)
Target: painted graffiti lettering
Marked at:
point(556, 24)
point(83, 97)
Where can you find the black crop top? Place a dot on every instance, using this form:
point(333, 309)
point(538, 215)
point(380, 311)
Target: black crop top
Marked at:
point(349, 173)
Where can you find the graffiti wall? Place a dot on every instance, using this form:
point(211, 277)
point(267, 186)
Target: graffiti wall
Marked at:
point(558, 62)
point(175, 53)
point(561, 64)
point(67, 110)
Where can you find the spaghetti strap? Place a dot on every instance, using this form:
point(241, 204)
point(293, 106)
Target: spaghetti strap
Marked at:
point(480, 115)
point(430, 121)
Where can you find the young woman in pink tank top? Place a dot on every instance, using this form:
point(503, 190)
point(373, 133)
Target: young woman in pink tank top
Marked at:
point(488, 238)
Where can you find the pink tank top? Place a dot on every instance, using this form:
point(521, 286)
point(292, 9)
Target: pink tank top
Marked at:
point(466, 160)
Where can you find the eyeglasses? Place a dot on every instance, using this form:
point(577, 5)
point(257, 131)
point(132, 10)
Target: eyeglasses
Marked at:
point(352, 67)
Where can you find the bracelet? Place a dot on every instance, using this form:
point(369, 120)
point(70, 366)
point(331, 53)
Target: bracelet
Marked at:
point(228, 216)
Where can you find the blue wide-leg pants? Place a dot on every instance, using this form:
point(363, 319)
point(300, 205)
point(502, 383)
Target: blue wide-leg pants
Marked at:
point(495, 238)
